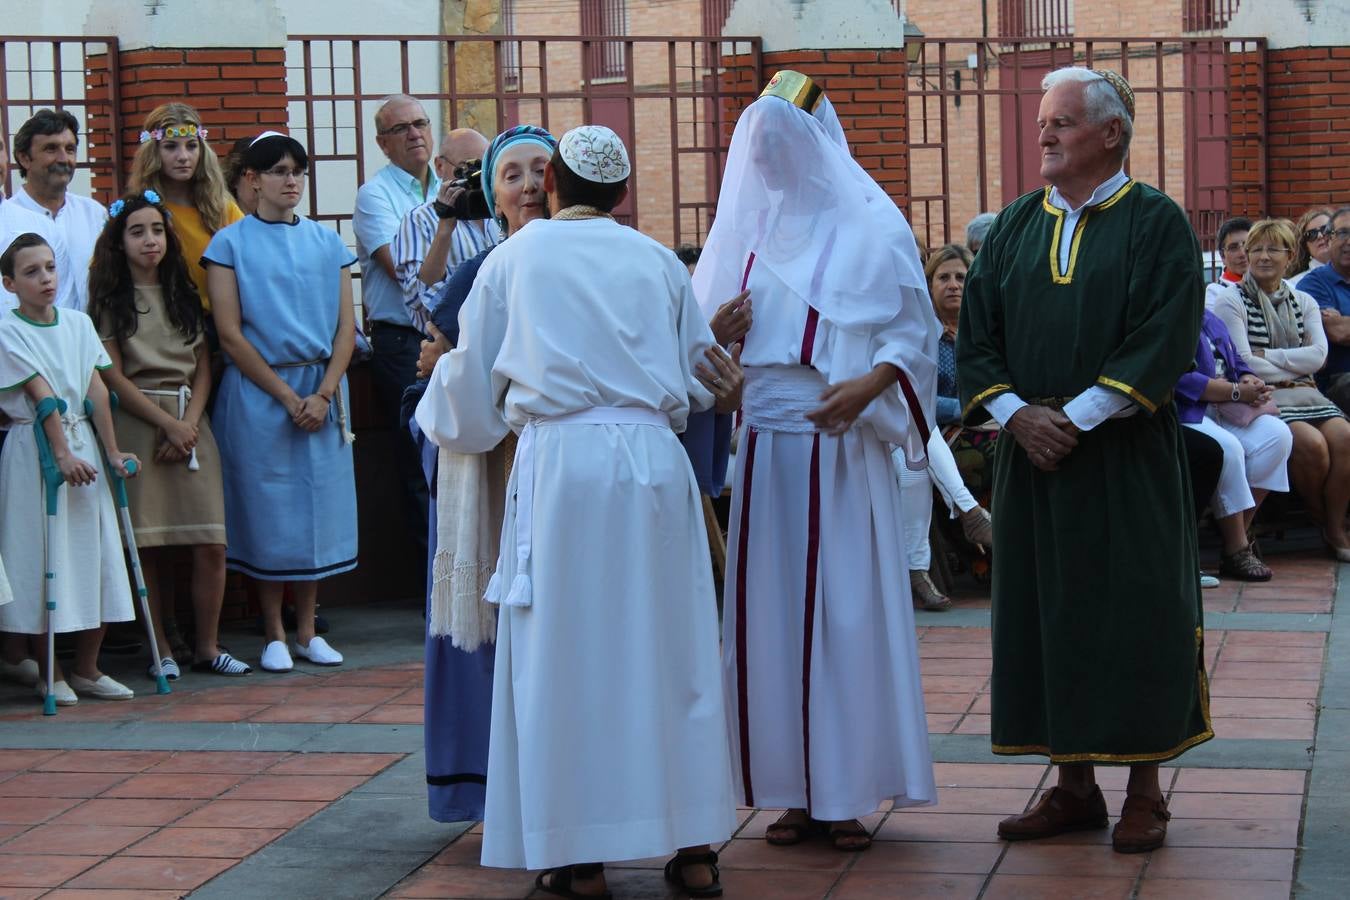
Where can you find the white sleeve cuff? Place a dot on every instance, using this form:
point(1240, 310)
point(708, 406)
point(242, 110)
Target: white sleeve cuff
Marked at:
point(1094, 406)
point(1004, 407)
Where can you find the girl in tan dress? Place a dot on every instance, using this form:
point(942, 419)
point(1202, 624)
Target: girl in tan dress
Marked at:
point(150, 319)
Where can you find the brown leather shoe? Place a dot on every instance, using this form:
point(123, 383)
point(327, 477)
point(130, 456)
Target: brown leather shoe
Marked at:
point(1057, 812)
point(1142, 826)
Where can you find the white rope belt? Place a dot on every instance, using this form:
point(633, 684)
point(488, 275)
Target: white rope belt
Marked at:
point(347, 436)
point(184, 394)
point(777, 398)
point(69, 421)
point(521, 591)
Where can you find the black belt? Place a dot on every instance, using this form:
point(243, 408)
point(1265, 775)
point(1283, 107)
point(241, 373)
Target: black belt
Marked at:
point(379, 326)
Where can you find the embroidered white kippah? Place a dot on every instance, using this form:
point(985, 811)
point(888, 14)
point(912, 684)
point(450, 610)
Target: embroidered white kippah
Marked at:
point(595, 153)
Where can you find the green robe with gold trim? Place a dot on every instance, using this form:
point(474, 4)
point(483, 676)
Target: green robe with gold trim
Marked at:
point(1097, 620)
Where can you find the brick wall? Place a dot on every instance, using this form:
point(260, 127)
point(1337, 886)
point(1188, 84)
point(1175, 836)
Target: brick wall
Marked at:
point(238, 93)
point(867, 88)
point(1308, 128)
point(1246, 124)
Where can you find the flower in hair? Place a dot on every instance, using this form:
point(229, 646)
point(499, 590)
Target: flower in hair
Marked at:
point(116, 209)
point(151, 196)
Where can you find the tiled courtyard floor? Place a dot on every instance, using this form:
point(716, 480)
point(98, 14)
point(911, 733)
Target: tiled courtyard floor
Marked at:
point(310, 785)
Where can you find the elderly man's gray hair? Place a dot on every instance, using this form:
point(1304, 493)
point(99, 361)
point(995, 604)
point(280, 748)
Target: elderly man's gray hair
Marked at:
point(978, 229)
point(1100, 100)
point(387, 101)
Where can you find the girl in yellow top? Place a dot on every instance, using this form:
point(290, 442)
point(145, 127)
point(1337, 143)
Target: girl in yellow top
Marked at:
point(175, 161)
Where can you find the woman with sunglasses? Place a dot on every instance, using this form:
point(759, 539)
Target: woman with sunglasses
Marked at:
point(1314, 244)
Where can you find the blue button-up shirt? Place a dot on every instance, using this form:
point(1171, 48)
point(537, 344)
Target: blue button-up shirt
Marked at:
point(381, 204)
point(1331, 290)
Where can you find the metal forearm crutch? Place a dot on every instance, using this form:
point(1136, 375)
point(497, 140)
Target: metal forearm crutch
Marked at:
point(119, 489)
point(52, 480)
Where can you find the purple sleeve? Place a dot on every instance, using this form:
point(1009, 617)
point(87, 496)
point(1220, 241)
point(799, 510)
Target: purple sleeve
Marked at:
point(1192, 385)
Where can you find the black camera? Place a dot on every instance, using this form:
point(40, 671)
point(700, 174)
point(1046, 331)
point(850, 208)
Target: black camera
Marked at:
point(470, 205)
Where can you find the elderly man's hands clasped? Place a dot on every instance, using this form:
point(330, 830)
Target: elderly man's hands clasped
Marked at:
point(1045, 434)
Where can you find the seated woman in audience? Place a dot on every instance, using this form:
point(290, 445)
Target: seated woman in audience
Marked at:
point(282, 293)
point(945, 271)
point(1314, 244)
point(1232, 240)
point(1278, 333)
point(1222, 398)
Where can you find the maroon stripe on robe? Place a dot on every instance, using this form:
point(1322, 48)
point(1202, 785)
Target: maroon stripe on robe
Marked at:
point(912, 401)
point(742, 567)
point(809, 617)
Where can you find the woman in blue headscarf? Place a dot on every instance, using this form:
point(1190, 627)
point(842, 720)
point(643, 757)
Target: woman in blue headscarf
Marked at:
point(464, 531)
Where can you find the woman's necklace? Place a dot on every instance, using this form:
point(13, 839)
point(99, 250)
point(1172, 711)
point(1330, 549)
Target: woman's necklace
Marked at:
point(581, 211)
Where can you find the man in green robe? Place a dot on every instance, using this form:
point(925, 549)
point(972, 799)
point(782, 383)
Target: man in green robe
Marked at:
point(1081, 311)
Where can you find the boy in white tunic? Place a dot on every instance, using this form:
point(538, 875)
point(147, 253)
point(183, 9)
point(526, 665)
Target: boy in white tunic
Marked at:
point(608, 736)
point(821, 670)
point(46, 352)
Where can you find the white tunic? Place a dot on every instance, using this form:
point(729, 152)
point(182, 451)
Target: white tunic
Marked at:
point(819, 658)
point(608, 732)
point(90, 587)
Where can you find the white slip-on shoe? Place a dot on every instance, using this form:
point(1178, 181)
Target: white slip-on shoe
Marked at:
point(319, 652)
point(64, 695)
point(1208, 581)
point(276, 658)
point(104, 689)
point(25, 671)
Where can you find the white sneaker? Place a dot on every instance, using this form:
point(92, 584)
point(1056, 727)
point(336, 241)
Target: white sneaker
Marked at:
point(104, 689)
point(25, 671)
point(276, 658)
point(1208, 581)
point(319, 652)
point(64, 695)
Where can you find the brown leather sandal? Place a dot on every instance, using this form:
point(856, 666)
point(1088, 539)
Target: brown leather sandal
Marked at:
point(792, 832)
point(850, 837)
point(1244, 566)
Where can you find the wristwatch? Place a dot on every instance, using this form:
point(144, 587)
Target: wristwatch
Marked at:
point(1237, 392)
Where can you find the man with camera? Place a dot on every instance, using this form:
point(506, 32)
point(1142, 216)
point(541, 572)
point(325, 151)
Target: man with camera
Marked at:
point(434, 238)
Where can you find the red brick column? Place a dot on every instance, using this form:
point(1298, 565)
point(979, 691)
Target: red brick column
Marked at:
point(239, 92)
point(1247, 129)
point(1307, 128)
point(867, 88)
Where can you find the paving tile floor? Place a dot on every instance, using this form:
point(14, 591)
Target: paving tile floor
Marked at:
point(79, 820)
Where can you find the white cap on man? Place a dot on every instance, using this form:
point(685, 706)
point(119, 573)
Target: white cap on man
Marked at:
point(595, 153)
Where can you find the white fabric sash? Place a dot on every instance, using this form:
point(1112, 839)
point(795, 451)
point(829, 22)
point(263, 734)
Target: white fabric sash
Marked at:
point(521, 591)
point(69, 424)
point(777, 398)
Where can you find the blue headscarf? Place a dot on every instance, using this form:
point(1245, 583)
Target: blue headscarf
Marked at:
point(508, 138)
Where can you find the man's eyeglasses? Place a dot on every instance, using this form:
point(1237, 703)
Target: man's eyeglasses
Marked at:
point(1340, 234)
point(283, 171)
point(1233, 247)
point(402, 127)
point(1314, 234)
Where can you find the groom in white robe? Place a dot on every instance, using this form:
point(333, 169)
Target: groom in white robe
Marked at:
point(608, 736)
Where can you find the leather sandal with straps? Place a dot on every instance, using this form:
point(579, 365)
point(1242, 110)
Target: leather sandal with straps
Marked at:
point(1244, 566)
point(926, 595)
point(1142, 826)
point(559, 881)
point(675, 873)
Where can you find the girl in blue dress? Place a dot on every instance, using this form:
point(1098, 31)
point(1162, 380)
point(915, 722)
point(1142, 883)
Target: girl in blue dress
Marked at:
point(281, 294)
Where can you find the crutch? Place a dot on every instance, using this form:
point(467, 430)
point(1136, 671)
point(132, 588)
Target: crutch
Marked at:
point(119, 489)
point(51, 482)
